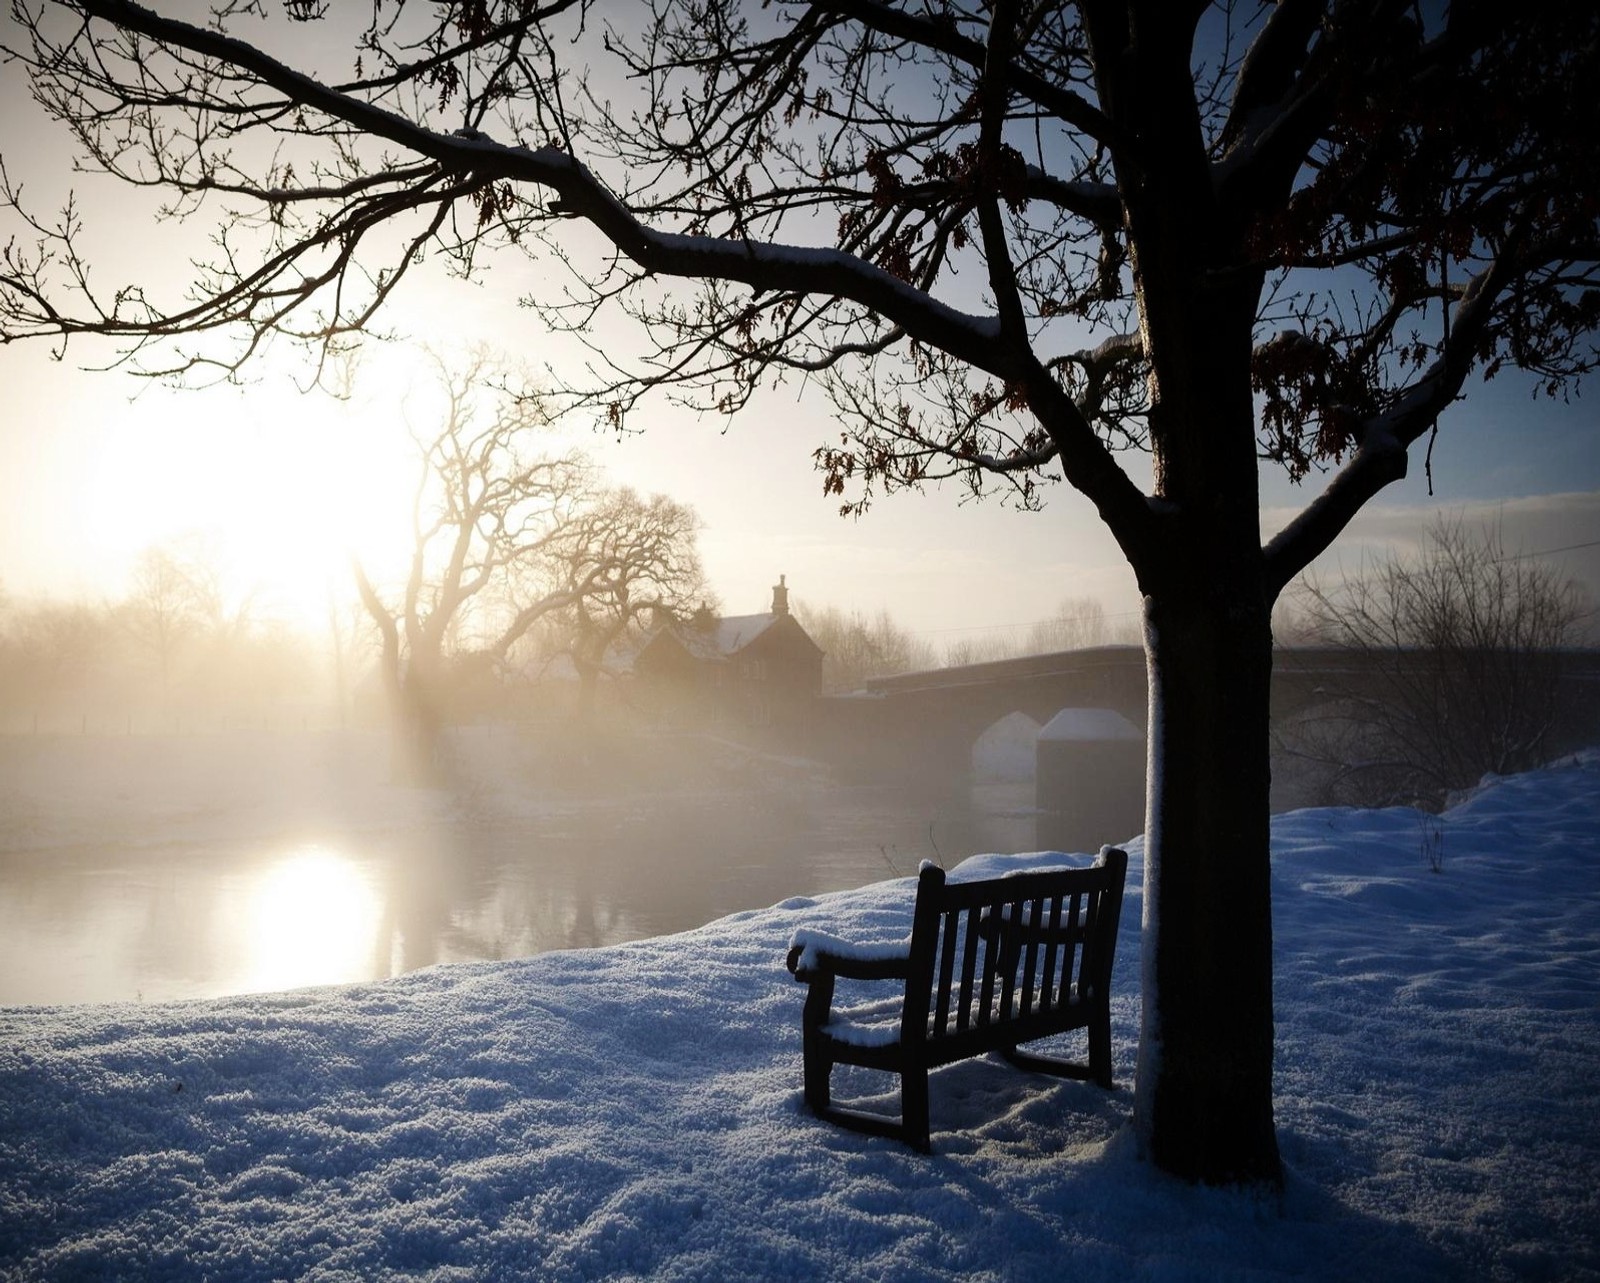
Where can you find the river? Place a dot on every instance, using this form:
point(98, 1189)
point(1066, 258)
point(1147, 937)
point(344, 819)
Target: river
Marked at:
point(155, 869)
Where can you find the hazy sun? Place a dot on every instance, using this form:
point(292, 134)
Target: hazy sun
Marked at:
point(280, 488)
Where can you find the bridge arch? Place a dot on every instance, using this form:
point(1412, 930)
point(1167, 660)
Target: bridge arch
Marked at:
point(1006, 749)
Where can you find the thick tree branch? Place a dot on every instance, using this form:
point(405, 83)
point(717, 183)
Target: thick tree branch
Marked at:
point(1275, 58)
point(1097, 202)
point(1384, 438)
point(945, 39)
point(974, 339)
point(1269, 141)
point(994, 94)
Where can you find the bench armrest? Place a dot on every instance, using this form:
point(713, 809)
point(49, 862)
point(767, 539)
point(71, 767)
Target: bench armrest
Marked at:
point(816, 953)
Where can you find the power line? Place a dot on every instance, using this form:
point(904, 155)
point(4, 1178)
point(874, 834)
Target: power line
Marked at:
point(1029, 623)
point(1550, 552)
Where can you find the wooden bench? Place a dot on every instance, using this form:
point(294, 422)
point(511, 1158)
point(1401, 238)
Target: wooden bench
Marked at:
point(988, 966)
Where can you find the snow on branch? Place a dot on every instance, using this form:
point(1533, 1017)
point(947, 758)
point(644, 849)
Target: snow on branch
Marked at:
point(1384, 436)
point(578, 192)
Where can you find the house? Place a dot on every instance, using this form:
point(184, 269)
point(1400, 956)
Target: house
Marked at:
point(743, 670)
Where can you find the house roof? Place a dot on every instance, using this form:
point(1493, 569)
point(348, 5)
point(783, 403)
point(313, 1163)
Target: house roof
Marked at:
point(734, 632)
point(729, 635)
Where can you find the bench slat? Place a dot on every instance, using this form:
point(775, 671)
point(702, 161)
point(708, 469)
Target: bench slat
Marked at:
point(968, 970)
point(1072, 977)
point(1014, 886)
point(977, 1041)
point(991, 955)
point(1030, 962)
point(947, 965)
point(1052, 952)
point(1011, 920)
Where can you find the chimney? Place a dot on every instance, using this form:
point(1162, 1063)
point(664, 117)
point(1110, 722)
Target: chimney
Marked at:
point(780, 597)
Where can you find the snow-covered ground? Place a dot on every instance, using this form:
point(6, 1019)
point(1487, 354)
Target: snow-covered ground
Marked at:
point(634, 1111)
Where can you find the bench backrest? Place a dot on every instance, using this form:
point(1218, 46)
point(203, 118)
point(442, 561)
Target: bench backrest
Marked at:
point(1010, 958)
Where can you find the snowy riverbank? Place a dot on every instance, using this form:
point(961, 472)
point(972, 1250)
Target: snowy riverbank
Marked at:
point(634, 1111)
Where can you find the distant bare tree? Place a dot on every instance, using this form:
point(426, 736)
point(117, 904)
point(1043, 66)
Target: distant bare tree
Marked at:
point(51, 652)
point(1079, 622)
point(349, 637)
point(1463, 651)
point(856, 647)
point(175, 601)
point(987, 649)
point(487, 518)
point(171, 654)
point(625, 559)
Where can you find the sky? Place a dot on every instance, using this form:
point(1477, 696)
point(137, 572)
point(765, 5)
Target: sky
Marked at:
point(95, 466)
point(635, 1111)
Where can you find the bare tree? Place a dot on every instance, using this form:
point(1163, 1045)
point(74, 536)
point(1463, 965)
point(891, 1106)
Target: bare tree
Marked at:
point(1460, 652)
point(1010, 240)
point(170, 654)
point(856, 647)
point(986, 649)
point(176, 602)
point(1079, 623)
point(627, 561)
point(487, 517)
point(55, 654)
point(349, 639)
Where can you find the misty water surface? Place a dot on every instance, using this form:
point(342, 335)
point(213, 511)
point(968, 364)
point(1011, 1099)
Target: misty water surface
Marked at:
point(143, 876)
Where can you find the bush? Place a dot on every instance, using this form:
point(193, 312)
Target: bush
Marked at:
point(1460, 654)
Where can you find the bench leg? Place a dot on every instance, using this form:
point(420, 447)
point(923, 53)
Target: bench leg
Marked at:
point(817, 1073)
point(818, 1064)
point(1100, 1050)
point(914, 1108)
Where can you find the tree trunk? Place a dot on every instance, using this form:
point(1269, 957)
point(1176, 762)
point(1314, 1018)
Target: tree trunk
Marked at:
point(1204, 1090)
point(1203, 1103)
point(416, 725)
point(588, 682)
point(417, 747)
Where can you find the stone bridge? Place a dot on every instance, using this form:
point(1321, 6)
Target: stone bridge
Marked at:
point(929, 722)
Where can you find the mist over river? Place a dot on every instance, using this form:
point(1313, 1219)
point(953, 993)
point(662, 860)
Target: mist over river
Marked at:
point(147, 868)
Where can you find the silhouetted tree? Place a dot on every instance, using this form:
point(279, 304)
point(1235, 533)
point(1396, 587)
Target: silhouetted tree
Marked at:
point(489, 519)
point(1462, 649)
point(175, 603)
point(988, 648)
point(1079, 622)
point(56, 654)
point(630, 562)
point(856, 647)
point(1010, 240)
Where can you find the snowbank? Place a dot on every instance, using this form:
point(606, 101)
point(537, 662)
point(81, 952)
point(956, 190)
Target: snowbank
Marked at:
point(634, 1112)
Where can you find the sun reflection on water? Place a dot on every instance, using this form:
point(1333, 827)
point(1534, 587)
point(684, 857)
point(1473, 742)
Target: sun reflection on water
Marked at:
point(312, 918)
